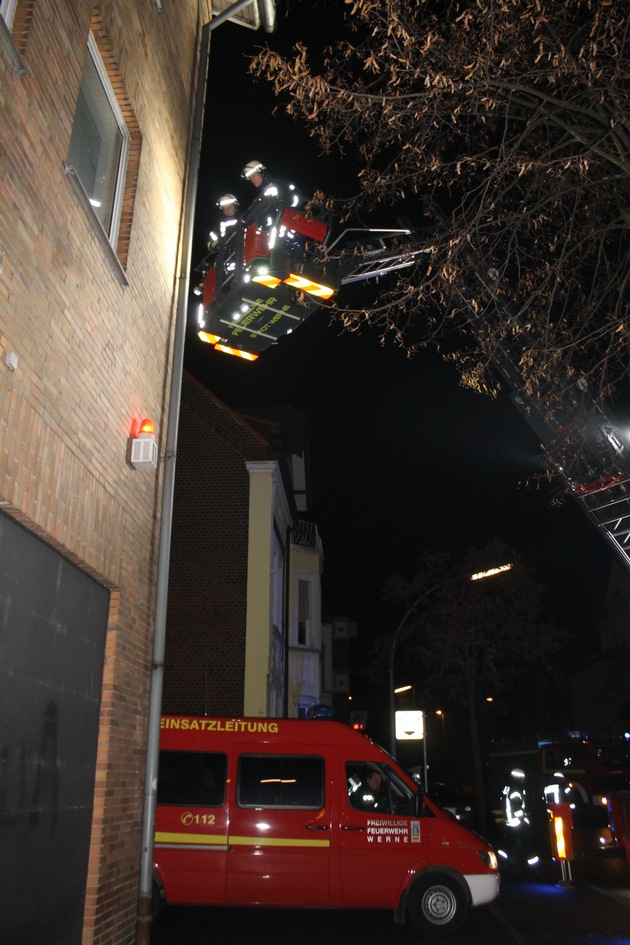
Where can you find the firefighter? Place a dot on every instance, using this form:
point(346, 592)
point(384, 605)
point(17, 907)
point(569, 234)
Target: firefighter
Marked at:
point(272, 194)
point(370, 793)
point(253, 172)
point(519, 835)
point(228, 205)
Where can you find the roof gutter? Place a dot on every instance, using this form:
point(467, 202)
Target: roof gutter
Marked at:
point(268, 19)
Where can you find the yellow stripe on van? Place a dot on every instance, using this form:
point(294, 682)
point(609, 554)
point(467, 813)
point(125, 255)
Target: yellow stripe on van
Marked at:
point(275, 842)
point(209, 840)
point(202, 839)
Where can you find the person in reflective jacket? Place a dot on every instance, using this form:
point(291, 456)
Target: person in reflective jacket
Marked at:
point(228, 204)
point(371, 793)
point(272, 193)
point(253, 172)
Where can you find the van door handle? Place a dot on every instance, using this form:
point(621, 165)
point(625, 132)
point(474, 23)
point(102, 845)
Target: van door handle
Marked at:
point(316, 827)
point(353, 827)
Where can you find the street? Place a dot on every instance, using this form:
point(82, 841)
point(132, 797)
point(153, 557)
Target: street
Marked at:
point(533, 909)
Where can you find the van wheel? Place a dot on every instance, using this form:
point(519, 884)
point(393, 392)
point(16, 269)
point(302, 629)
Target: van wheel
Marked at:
point(437, 904)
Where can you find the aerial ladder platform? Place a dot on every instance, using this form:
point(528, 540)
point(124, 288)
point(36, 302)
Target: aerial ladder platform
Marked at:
point(262, 281)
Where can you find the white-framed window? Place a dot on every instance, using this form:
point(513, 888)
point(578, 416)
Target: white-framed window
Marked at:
point(99, 144)
point(304, 613)
point(7, 11)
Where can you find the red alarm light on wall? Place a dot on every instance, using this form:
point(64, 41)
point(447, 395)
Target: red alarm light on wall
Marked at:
point(144, 450)
point(146, 427)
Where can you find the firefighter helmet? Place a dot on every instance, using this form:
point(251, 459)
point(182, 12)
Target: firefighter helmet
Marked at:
point(227, 200)
point(251, 168)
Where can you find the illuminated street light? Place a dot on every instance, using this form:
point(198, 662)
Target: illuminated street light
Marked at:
point(402, 689)
point(480, 575)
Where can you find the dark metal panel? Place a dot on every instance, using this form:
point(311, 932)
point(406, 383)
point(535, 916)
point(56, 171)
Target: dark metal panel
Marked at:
point(53, 624)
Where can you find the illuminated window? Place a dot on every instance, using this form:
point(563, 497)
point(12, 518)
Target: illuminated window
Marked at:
point(104, 152)
point(100, 143)
point(7, 11)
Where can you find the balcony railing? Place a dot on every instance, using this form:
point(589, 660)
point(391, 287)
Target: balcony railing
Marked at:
point(306, 535)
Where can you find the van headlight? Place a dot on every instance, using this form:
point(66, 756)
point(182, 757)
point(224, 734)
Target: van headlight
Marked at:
point(489, 859)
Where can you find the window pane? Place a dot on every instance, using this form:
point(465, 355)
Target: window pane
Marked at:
point(96, 144)
point(304, 611)
point(281, 781)
point(377, 787)
point(192, 778)
point(7, 9)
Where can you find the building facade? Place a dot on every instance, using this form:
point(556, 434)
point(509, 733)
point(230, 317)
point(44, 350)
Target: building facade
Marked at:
point(305, 642)
point(243, 625)
point(95, 126)
point(337, 638)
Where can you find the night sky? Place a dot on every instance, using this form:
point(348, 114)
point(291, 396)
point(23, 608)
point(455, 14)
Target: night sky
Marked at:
point(403, 458)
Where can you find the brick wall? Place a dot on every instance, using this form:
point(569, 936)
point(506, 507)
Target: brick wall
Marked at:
point(205, 642)
point(94, 355)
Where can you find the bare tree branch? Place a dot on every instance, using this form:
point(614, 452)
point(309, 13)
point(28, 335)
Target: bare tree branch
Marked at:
point(513, 118)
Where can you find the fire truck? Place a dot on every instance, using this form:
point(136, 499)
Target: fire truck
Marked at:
point(527, 776)
point(277, 266)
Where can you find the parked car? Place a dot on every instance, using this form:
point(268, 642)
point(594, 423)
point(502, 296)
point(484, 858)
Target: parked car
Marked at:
point(454, 800)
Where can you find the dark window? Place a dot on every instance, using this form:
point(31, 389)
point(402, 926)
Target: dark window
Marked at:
point(192, 778)
point(613, 754)
point(304, 612)
point(562, 757)
point(281, 781)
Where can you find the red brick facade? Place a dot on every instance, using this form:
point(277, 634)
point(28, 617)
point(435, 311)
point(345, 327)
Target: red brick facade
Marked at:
point(93, 347)
point(207, 607)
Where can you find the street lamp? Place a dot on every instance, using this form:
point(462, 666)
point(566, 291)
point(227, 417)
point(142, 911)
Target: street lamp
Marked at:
point(481, 575)
point(478, 576)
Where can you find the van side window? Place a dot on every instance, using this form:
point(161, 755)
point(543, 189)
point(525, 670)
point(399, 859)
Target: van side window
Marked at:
point(280, 781)
point(192, 778)
point(377, 787)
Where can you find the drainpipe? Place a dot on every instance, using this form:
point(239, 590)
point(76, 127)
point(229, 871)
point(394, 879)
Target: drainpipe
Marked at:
point(286, 627)
point(143, 926)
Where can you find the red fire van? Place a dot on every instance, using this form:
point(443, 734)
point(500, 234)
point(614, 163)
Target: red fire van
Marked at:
point(288, 813)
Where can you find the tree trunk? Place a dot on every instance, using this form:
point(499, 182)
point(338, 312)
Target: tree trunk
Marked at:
point(475, 747)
